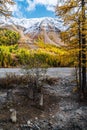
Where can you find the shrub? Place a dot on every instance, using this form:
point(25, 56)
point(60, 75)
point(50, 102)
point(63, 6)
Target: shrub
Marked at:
point(12, 80)
point(51, 80)
point(8, 56)
point(23, 56)
point(8, 37)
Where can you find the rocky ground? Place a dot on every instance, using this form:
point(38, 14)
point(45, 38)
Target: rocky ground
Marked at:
point(62, 108)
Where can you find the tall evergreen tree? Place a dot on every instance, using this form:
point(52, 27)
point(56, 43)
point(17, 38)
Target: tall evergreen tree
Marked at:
point(73, 12)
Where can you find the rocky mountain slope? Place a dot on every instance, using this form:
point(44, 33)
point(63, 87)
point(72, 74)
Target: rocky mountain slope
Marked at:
point(31, 29)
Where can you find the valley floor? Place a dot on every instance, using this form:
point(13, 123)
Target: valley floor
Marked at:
point(62, 108)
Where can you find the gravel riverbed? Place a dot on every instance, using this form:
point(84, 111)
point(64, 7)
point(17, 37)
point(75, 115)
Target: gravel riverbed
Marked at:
point(62, 111)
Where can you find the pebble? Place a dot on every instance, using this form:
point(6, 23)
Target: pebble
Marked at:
point(13, 115)
point(36, 118)
point(28, 122)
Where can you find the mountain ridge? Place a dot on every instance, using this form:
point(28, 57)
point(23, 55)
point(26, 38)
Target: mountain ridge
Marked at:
point(31, 28)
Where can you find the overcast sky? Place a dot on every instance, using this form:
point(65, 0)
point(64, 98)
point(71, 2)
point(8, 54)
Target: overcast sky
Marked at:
point(34, 8)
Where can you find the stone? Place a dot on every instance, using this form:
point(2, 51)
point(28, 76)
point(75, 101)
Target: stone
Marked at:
point(53, 116)
point(36, 118)
point(9, 95)
point(30, 93)
point(41, 100)
point(36, 127)
point(3, 97)
point(13, 115)
point(28, 122)
point(79, 111)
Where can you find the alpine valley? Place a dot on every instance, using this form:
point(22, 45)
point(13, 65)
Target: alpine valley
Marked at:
point(31, 29)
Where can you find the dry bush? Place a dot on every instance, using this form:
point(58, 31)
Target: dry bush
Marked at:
point(32, 80)
point(12, 80)
point(51, 80)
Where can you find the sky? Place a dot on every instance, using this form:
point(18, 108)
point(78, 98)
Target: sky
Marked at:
point(34, 8)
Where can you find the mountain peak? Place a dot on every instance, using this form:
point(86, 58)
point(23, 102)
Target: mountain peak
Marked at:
point(48, 27)
point(26, 23)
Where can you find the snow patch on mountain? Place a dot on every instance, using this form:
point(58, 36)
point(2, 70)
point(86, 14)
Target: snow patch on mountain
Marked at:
point(34, 24)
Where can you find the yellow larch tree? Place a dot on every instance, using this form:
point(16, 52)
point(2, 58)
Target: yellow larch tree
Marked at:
point(74, 15)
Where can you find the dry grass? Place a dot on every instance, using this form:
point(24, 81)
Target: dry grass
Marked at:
point(51, 80)
point(12, 80)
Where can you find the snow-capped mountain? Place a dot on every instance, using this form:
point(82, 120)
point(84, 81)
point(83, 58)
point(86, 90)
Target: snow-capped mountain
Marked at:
point(46, 26)
point(33, 23)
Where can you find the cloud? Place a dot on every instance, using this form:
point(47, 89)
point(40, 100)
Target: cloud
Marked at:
point(49, 4)
point(20, 0)
point(15, 10)
point(18, 9)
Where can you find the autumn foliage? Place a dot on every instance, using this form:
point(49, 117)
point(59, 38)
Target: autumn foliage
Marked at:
point(8, 37)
